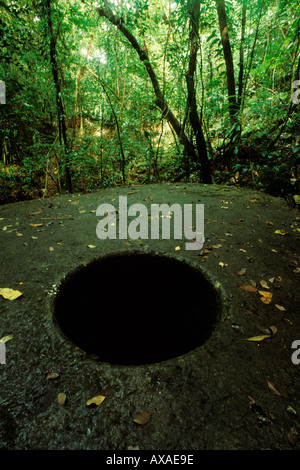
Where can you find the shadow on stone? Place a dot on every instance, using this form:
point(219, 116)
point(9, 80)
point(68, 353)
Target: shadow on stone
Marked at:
point(134, 308)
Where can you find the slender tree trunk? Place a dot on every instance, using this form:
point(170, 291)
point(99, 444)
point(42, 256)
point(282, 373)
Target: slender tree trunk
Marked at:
point(252, 55)
point(106, 12)
point(60, 108)
point(228, 61)
point(104, 85)
point(194, 13)
point(241, 71)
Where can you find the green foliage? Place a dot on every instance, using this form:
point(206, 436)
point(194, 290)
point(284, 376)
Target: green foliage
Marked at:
point(103, 81)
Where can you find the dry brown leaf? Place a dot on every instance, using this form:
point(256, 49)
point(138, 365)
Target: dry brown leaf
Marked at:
point(241, 272)
point(247, 288)
point(293, 436)
point(61, 398)
point(274, 329)
point(273, 388)
point(97, 400)
point(142, 418)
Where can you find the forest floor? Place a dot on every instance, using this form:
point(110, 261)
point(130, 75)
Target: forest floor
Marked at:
point(230, 393)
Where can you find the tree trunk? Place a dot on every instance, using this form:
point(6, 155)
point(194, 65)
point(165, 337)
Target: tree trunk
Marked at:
point(60, 108)
point(160, 99)
point(228, 61)
point(241, 71)
point(194, 13)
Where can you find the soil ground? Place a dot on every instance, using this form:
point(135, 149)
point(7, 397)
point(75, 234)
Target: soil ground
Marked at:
point(230, 393)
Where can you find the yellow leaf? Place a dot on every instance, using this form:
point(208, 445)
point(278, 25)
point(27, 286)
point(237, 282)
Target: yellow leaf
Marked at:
point(61, 398)
point(264, 284)
point(280, 232)
point(142, 418)
point(10, 294)
point(266, 296)
point(280, 307)
point(223, 264)
point(177, 248)
point(52, 375)
point(91, 246)
point(97, 400)
point(51, 248)
point(6, 338)
point(36, 225)
point(258, 338)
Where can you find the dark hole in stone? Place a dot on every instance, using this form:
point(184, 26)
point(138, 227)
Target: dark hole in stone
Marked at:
point(136, 308)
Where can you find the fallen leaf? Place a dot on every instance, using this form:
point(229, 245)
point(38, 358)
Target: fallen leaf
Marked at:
point(36, 225)
point(247, 288)
point(19, 234)
point(216, 247)
point(280, 307)
point(97, 400)
point(6, 338)
point(293, 436)
point(51, 248)
point(10, 294)
point(241, 272)
point(133, 447)
point(61, 398)
point(273, 388)
point(142, 418)
point(177, 248)
point(223, 264)
point(264, 284)
point(297, 270)
point(251, 401)
point(91, 246)
point(266, 296)
point(243, 251)
point(291, 410)
point(52, 375)
point(258, 338)
point(39, 211)
point(274, 329)
point(280, 232)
